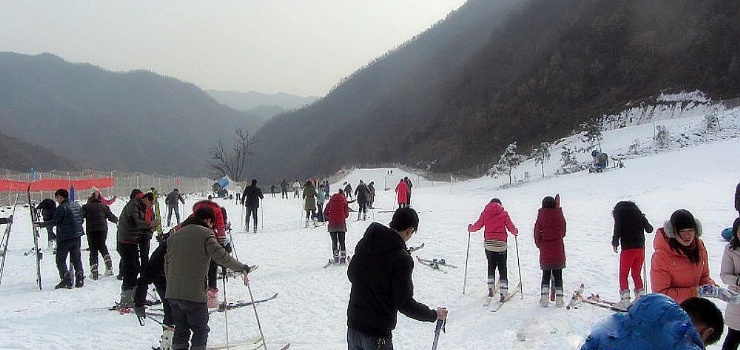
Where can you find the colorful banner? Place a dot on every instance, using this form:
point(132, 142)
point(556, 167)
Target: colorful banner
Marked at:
point(55, 184)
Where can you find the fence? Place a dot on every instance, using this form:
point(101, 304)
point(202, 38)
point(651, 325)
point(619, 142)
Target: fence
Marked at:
point(124, 183)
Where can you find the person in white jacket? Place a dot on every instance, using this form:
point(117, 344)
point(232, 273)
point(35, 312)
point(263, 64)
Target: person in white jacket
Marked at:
point(730, 274)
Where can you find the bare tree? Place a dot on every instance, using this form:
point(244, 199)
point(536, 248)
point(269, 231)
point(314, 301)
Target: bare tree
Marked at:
point(232, 163)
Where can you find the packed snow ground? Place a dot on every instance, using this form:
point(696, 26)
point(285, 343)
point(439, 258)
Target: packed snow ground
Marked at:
point(310, 311)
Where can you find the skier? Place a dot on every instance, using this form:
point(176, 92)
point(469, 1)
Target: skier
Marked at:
point(284, 189)
point(337, 212)
point(327, 191)
point(371, 200)
point(251, 199)
point(273, 190)
point(496, 220)
point(320, 199)
point(172, 200)
point(382, 285)
point(219, 232)
point(189, 253)
point(97, 215)
point(730, 274)
point(362, 193)
point(68, 220)
point(658, 322)
point(309, 197)
point(409, 185)
point(154, 273)
point(47, 207)
point(296, 189)
point(133, 228)
point(679, 264)
point(630, 225)
point(348, 190)
point(549, 231)
point(402, 194)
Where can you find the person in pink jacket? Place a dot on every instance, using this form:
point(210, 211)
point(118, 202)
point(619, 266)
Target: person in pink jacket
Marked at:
point(402, 191)
point(680, 264)
point(496, 220)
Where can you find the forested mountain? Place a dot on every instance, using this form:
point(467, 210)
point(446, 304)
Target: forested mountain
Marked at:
point(498, 71)
point(261, 104)
point(131, 121)
point(21, 156)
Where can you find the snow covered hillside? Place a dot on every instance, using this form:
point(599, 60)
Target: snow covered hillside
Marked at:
point(310, 311)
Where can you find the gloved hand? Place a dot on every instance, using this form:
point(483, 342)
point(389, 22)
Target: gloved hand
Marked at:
point(470, 227)
point(708, 291)
point(140, 311)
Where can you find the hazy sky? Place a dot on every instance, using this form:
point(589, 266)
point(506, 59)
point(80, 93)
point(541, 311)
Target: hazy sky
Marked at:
point(296, 46)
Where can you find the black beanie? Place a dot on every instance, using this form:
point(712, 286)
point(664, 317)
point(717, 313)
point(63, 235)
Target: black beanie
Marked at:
point(548, 202)
point(682, 219)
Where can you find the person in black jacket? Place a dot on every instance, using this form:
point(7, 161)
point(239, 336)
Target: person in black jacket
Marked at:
point(97, 215)
point(172, 200)
point(380, 273)
point(630, 225)
point(68, 220)
point(154, 273)
point(47, 207)
point(251, 198)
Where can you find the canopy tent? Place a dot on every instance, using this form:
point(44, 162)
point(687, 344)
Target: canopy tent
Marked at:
point(55, 184)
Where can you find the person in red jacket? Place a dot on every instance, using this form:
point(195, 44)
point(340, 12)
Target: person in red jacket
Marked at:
point(402, 194)
point(630, 225)
point(549, 231)
point(680, 264)
point(336, 212)
point(496, 220)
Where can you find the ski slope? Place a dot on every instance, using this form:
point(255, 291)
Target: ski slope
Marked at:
point(310, 311)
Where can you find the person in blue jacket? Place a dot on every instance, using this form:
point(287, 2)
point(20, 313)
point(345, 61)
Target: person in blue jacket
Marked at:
point(656, 321)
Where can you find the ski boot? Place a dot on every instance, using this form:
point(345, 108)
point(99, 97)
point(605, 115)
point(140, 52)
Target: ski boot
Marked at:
point(639, 293)
point(165, 342)
point(544, 296)
point(624, 303)
point(342, 258)
point(127, 298)
point(336, 257)
point(108, 266)
point(79, 280)
point(94, 272)
point(559, 302)
point(503, 289)
point(255, 229)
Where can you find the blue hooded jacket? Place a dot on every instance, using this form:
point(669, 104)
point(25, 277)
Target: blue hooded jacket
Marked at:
point(655, 321)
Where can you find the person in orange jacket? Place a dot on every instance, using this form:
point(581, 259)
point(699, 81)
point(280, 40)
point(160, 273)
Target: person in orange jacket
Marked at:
point(680, 264)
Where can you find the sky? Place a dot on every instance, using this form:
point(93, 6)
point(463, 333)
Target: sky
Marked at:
point(302, 47)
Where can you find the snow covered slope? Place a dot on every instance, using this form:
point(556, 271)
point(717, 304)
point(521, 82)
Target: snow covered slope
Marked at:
point(310, 311)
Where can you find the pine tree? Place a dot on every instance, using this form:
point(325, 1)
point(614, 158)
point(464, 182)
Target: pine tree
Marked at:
point(568, 159)
point(542, 154)
point(509, 160)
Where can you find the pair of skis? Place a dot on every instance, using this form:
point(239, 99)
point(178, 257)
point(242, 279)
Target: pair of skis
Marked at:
point(6, 238)
point(496, 306)
point(331, 262)
point(35, 232)
point(436, 264)
point(229, 306)
point(593, 299)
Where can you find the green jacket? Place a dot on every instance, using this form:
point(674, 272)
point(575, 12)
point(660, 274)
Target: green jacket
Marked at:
point(132, 224)
point(189, 254)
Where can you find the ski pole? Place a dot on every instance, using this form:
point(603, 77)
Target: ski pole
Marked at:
point(242, 221)
point(226, 309)
point(440, 327)
point(467, 254)
point(256, 316)
point(262, 212)
point(165, 326)
point(519, 266)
